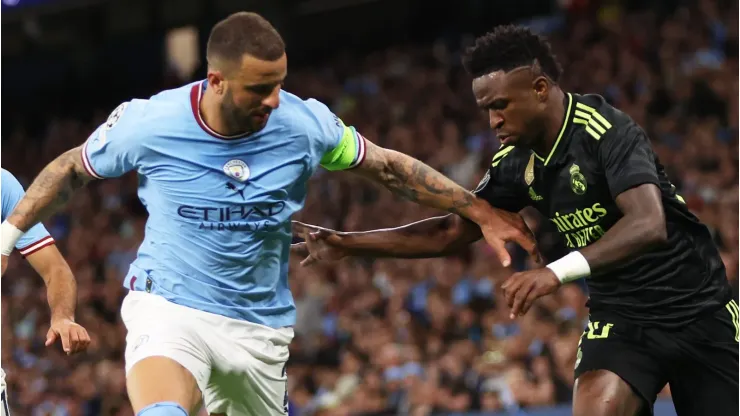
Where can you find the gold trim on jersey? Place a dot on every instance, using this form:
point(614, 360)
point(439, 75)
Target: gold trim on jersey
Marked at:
point(562, 130)
point(596, 124)
point(500, 155)
point(529, 171)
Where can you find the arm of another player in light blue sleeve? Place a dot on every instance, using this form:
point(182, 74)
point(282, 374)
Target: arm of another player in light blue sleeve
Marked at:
point(37, 237)
point(114, 148)
point(342, 146)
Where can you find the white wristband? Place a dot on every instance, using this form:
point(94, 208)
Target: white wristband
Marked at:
point(571, 267)
point(9, 236)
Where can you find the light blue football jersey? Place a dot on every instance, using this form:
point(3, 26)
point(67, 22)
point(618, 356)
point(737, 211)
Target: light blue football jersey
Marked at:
point(37, 237)
point(218, 234)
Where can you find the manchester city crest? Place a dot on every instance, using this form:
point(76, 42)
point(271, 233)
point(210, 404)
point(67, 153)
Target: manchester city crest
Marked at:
point(577, 181)
point(237, 169)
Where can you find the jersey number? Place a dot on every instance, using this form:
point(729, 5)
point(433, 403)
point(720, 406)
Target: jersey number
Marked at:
point(593, 330)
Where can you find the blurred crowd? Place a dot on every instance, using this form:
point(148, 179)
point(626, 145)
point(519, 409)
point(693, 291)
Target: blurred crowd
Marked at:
point(394, 336)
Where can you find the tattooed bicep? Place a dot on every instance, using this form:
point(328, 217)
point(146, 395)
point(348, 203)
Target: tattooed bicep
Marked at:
point(76, 158)
point(375, 160)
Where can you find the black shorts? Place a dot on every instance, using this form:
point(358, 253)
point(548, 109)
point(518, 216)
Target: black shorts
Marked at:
point(699, 361)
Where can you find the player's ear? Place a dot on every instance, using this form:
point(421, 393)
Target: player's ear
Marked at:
point(541, 88)
point(216, 81)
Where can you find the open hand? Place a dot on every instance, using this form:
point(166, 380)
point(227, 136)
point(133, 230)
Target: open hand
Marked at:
point(502, 227)
point(74, 337)
point(522, 289)
point(321, 244)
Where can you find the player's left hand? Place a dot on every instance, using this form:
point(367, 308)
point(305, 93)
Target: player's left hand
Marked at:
point(74, 337)
point(522, 289)
point(501, 227)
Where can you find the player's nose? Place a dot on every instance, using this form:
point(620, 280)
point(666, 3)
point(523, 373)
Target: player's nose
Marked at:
point(495, 119)
point(272, 100)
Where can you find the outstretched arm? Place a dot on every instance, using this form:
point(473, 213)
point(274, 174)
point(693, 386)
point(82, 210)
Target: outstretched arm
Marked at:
point(414, 180)
point(432, 237)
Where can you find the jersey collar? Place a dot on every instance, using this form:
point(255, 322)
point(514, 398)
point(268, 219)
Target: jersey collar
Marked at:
point(568, 101)
point(196, 94)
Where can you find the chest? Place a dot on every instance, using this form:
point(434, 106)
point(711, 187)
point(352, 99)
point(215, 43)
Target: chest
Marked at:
point(574, 195)
point(228, 172)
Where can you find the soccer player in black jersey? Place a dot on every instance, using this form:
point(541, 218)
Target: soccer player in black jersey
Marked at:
point(660, 304)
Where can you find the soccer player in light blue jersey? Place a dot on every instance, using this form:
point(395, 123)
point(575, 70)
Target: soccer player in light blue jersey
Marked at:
point(223, 165)
point(38, 247)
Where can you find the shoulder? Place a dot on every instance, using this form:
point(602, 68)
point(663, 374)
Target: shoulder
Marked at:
point(309, 115)
point(601, 124)
point(142, 118)
point(510, 156)
point(509, 161)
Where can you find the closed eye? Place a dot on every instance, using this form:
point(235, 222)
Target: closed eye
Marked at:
point(264, 89)
point(498, 104)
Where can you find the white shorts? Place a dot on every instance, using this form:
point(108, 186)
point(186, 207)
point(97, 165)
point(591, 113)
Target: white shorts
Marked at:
point(239, 366)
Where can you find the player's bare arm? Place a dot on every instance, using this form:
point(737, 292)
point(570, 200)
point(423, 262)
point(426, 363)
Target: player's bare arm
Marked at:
point(641, 227)
point(61, 293)
point(432, 237)
point(51, 190)
point(414, 180)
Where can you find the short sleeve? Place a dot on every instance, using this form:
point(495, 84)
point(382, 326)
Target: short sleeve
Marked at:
point(498, 186)
point(341, 147)
point(37, 237)
point(114, 148)
point(627, 159)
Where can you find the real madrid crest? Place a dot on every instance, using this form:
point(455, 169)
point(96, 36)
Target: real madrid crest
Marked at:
point(577, 181)
point(237, 169)
point(529, 172)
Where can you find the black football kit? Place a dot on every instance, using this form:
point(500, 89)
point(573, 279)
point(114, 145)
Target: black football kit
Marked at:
point(663, 316)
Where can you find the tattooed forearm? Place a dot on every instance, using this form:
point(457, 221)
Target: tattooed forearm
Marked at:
point(51, 190)
point(420, 183)
point(414, 180)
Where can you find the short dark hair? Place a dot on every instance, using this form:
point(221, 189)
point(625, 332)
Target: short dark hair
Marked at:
point(244, 33)
point(508, 47)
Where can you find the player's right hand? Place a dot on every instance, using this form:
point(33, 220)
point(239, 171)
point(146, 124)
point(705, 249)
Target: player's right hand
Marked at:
point(74, 337)
point(321, 244)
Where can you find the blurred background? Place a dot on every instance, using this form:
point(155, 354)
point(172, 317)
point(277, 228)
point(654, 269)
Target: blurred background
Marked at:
point(373, 337)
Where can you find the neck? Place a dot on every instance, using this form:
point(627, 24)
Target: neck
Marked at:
point(210, 111)
point(554, 119)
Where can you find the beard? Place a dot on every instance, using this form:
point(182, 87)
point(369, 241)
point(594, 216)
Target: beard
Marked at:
point(237, 120)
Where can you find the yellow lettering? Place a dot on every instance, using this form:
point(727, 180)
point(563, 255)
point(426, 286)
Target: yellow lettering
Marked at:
point(580, 216)
point(593, 327)
point(557, 223)
point(598, 232)
point(580, 239)
point(568, 242)
point(599, 210)
point(564, 219)
point(588, 215)
point(577, 223)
